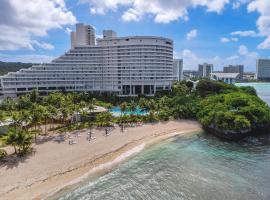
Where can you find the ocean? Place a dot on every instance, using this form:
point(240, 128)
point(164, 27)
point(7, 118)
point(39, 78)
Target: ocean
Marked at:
point(196, 167)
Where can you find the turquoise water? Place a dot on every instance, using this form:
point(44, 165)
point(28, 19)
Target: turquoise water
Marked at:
point(195, 167)
point(116, 111)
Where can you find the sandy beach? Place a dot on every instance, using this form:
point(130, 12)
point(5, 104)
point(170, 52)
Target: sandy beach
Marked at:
point(54, 164)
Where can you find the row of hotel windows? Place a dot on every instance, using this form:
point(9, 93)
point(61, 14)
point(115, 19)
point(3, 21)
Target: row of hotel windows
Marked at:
point(82, 82)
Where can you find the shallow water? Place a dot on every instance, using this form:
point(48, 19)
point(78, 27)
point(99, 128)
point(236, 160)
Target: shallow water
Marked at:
point(188, 167)
point(199, 166)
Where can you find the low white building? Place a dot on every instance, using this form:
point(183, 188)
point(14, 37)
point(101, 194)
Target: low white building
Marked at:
point(229, 78)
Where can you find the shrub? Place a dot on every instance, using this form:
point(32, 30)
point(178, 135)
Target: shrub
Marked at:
point(209, 87)
point(234, 112)
point(3, 154)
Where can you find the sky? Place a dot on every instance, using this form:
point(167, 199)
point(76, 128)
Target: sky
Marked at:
point(220, 32)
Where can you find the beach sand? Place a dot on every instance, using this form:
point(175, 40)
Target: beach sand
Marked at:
point(54, 165)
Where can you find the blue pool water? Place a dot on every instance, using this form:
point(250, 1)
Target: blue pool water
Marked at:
point(116, 111)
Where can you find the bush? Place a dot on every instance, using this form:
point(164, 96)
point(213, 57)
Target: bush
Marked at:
point(235, 112)
point(249, 90)
point(209, 87)
point(3, 154)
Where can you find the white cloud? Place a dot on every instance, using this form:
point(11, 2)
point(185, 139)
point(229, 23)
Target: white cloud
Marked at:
point(263, 22)
point(243, 50)
point(21, 21)
point(234, 39)
point(192, 34)
point(237, 3)
point(226, 40)
point(43, 45)
point(35, 58)
point(191, 60)
point(68, 31)
point(243, 56)
point(162, 11)
point(245, 33)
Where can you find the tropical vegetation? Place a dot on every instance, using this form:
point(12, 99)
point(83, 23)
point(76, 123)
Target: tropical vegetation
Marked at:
point(221, 108)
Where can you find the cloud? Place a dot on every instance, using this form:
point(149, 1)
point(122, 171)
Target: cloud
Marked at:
point(237, 3)
point(43, 45)
point(243, 50)
point(245, 33)
point(68, 31)
point(22, 21)
point(226, 40)
point(162, 11)
point(191, 60)
point(263, 22)
point(192, 34)
point(34, 58)
point(243, 56)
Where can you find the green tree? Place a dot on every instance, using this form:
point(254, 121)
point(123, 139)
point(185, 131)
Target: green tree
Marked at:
point(123, 107)
point(20, 139)
point(3, 154)
point(104, 119)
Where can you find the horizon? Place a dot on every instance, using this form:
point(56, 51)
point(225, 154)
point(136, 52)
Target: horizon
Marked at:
point(39, 31)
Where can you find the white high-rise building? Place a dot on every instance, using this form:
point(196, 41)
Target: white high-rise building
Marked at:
point(85, 35)
point(263, 69)
point(125, 66)
point(178, 69)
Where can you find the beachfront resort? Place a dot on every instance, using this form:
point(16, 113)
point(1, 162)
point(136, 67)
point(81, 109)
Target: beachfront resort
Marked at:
point(105, 100)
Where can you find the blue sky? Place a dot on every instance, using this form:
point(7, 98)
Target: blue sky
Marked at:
point(216, 31)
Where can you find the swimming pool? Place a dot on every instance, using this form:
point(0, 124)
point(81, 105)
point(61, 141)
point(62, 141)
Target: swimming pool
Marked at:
point(116, 111)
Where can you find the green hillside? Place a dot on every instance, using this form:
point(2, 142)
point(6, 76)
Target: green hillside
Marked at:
point(6, 67)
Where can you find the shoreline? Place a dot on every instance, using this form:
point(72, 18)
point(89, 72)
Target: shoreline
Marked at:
point(120, 158)
point(47, 186)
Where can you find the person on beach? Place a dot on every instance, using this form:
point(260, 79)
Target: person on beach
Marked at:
point(106, 132)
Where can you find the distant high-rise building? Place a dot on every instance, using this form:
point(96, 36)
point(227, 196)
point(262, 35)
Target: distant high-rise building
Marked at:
point(235, 69)
point(205, 70)
point(108, 34)
point(178, 69)
point(85, 35)
point(263, 69)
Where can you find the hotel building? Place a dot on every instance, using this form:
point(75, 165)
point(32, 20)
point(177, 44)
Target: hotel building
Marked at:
point(263, 69)
point(126, 66)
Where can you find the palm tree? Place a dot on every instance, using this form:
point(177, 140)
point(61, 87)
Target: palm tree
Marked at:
point(45, 116)
point(104, 119)
point(132, 106)
point(37, 114)
point(123, 107)
point(143, 104)
point(20, 139)
point(52, 114)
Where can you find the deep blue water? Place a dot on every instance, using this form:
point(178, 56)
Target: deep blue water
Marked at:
point(194, 167)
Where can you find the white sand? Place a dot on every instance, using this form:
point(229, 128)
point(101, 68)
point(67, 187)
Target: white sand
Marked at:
point(55, 165)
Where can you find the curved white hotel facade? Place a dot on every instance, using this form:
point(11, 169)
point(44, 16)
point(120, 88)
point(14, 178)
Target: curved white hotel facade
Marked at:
point(126, 66)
